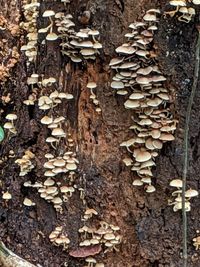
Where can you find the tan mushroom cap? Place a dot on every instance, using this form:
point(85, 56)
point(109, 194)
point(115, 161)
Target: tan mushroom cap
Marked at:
point(128, 161)
point(90, 260)
point(51, 190)
point(49, 174)
point(116, 61)
point(176, 183)
point(177, 3)
point(191, 193)
point(166, 137)
point(154, 102)
point(49, 156)
point(11, 117)
point(46, 120)
point(137, 182)
point(28, 202)
point(59, 132)
point(109, 236)
point(51, 36)
point(49, 165)
point(136, 96)
point(57, 200)
point(150, 189)
point(49, 182)
point(71, 166)
point(7, 196)
point(59, 163)
point(91, 85)
point(149, 17)
point(117, 85)
point(146, 180)
point(91, 211)
point(143, 156)
point(85, 243)
point(129, 104)
point(196, 2)
point(127, 50)
point(48, 13)
point(8, 125)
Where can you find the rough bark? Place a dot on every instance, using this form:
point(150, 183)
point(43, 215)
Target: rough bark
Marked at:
point(151, 230)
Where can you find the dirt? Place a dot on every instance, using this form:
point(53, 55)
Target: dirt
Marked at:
point(151, 230)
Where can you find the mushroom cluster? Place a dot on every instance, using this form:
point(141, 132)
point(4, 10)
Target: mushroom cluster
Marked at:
point(10, 124)
point(106, 234)
point(31, 13)
point(51, 101)
point(52, 191)
point(25, 163)
point(77, 45)
point(177, 194)
point(138, 78)
point(59, 238)
point(185, 13)
point(51, 36)
point(89, 214)
point(62, 164)
point(91, 86)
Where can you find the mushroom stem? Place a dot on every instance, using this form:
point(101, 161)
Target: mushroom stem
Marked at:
point(172, 12)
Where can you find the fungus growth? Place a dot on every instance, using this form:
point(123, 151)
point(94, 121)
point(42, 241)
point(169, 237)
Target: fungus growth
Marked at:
point(138, 77)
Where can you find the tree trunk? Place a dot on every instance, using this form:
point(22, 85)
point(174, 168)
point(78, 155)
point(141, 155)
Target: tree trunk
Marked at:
point(151, 232)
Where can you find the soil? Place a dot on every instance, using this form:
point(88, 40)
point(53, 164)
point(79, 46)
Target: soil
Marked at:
point(152, 232)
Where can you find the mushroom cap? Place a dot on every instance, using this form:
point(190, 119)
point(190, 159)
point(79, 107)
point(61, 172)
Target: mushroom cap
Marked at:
point(149, 17)
point(91, 211)
point(51, 36)
point(51, 139)
point(57, 200)
point(177, 2)
point(116, 61)
point(51, 190)
point(8, 125)
point(7, 195)
point(46, 120)
point(109, 236)
point(129, 104)
point(91, 85)
point(49, 182)
point(117, 85)
point(150, 189)
point(58, 132)
point(48, 13)
point(127, 50)
point(11, 117)
point(176, 183)
point(137, 182)
point(71, 166)
point(143, 156)
point(27, 202)
point(136, 96)
point(196, 2)
point(59, 163)
point(191, 193)
point(166, 137)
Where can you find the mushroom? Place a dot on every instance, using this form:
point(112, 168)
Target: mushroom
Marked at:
point(7, 196)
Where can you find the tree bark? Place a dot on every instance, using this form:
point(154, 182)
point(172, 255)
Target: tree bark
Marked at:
point(151, 231)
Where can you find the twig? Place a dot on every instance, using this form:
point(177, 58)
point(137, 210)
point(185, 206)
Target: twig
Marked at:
point(186, 147)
